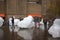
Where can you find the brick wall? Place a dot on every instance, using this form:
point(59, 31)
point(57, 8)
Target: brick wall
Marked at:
point(2, 7)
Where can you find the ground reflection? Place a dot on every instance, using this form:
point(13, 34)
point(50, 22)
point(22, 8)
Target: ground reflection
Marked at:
point(26, 34)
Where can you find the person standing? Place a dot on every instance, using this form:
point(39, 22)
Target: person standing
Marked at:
point(37, 21)
point(45, 22)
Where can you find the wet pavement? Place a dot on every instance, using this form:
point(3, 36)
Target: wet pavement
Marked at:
point(25, 34)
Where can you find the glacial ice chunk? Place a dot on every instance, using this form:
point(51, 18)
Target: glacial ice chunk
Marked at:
point(25, 22)
point(1, 21)
point(55, 29)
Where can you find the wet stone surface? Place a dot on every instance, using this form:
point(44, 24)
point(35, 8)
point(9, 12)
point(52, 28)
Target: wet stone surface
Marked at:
point(26, 34)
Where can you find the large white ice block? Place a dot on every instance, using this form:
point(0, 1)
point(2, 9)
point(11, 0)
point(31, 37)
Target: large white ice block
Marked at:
point(55, 29)
point(16, 21)
point(26, 22)
point(1, 21)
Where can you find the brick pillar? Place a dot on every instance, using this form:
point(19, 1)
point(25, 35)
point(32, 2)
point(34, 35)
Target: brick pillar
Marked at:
point(2, 6)
point(11, 6)
point(45, 5)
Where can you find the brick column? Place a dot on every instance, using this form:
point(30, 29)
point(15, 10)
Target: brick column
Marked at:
point(45, 5)
point(11, 6)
